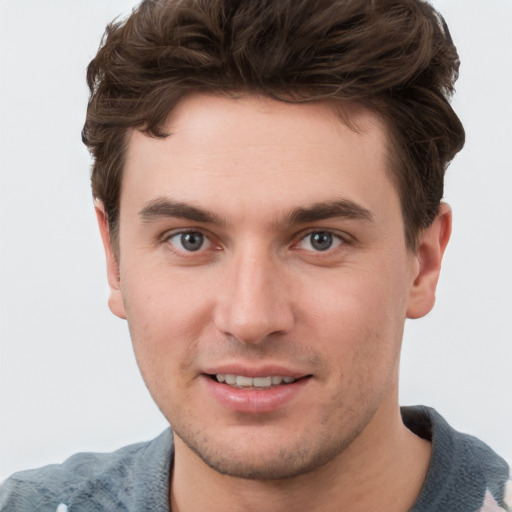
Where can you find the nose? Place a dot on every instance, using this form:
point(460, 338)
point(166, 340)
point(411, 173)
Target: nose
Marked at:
point(255, 301)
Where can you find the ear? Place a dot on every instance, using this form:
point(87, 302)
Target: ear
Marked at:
point(115, 300)
point(432, 243)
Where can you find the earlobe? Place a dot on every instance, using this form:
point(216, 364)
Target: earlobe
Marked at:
point(432, 244)
point(115, 301)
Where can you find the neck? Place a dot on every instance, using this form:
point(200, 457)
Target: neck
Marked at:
point(383, 469)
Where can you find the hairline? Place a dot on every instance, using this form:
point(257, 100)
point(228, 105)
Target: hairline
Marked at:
point(345, 111)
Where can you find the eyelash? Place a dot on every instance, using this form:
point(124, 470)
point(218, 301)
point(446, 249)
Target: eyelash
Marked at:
point(205, 239)
point(337, 241)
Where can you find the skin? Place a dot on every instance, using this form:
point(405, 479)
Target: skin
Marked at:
point(257, 179)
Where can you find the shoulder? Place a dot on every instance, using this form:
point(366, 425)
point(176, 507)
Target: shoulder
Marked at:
point(491, 505)
point(465, 474)
point(100, 481)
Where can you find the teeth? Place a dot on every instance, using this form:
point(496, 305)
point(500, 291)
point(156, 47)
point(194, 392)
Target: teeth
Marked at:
point(230, 379)
point(241, 381)
point(262, 382)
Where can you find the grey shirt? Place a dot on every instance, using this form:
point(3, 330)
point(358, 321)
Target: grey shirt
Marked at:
point(465, 475)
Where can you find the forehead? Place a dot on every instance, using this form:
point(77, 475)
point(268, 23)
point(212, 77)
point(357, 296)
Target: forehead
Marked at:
point(260, 152)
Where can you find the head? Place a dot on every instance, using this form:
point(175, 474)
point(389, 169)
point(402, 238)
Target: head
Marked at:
point(269, 178)
point(395, 57)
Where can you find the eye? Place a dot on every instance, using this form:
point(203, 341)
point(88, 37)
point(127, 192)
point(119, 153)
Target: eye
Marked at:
point(320, 241)
point(189, 241)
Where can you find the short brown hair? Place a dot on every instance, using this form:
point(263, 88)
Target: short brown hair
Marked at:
point(393, 56)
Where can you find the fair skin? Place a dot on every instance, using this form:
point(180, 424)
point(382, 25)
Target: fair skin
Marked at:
point(262, 239)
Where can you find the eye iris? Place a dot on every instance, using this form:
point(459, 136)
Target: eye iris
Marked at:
point(192, 241)
point(321, 241)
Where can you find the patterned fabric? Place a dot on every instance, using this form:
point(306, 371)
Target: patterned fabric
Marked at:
point(132, 479)
point(465, 475)
point(490, 504)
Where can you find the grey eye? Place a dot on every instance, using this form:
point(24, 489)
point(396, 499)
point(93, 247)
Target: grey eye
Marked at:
point(321, 240)
point(190, 241)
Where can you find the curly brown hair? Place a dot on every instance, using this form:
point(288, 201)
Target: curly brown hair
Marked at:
point(395, 57)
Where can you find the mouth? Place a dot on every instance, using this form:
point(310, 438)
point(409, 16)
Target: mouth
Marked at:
point(244, 382)
point(256, 391)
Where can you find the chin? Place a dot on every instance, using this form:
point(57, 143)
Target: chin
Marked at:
point(257, 459)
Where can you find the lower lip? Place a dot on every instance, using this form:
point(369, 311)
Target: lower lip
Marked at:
point(254, 401)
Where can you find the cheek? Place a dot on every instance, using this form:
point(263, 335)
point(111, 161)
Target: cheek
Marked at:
point(361, 341)
point(166, 319)
point(360, 303)
point(164, 303)
point(358, 320)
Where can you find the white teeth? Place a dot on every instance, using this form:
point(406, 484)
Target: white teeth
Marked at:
point(230, 379)
point(241, 381)
point(262, 382)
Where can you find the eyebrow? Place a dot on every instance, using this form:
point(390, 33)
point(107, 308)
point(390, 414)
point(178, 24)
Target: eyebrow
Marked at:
point(167, 208)
point(339, 208)
point(164, 208)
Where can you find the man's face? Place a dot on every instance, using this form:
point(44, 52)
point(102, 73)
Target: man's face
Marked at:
point(262, 243)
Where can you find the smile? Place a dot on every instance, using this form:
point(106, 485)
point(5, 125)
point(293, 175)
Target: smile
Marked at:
point(257, 394)
point(241, 381)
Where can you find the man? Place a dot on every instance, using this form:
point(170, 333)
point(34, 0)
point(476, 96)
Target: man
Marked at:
point(268, 180)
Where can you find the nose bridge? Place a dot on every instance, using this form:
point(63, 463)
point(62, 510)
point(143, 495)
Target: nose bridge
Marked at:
point(255, 301)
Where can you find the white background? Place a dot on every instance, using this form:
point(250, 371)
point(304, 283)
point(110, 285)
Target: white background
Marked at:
point(67, 374)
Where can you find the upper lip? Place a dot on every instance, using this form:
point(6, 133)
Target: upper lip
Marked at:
point(255, 371)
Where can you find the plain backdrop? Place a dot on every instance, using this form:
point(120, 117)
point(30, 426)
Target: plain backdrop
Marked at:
point(67, 374)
